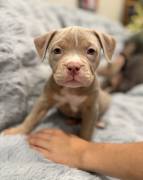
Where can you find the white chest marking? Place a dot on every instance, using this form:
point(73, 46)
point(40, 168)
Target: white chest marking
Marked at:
point(66, 98)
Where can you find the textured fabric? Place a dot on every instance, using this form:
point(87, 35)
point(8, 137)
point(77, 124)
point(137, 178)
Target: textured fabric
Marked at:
point(22, 77)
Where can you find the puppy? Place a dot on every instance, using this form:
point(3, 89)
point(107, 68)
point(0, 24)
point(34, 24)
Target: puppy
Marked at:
point(127, 69)
point(74, 55)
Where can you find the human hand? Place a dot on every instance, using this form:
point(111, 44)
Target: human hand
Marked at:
point(59, 147)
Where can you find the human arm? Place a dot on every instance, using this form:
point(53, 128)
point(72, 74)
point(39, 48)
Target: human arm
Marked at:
point(123, 161)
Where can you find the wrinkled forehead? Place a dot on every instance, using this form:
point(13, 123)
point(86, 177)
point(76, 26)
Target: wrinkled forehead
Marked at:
point(74, 37)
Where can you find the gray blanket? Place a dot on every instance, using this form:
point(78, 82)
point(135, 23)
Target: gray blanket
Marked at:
point(22, 77)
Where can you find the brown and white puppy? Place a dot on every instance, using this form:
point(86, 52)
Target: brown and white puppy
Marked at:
point(73, 54)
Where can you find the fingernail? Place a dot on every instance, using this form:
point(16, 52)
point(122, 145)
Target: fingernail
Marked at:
point(30, 135)
point(32, 147)
point(30, 140)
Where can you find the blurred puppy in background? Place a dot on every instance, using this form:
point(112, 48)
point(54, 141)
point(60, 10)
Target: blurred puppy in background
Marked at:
point(127, 70)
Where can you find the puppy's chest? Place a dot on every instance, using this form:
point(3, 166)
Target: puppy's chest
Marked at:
point(69, 102)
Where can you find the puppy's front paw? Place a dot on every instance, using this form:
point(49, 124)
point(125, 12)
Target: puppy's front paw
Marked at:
point(14, 131)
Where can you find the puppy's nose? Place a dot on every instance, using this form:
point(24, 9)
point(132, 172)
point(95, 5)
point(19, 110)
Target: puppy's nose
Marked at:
point(73, 67)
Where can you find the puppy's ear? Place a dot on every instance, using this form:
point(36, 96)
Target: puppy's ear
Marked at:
point(42, 43)
point(107, 43)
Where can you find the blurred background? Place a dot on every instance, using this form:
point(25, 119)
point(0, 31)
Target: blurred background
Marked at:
point(128, 12)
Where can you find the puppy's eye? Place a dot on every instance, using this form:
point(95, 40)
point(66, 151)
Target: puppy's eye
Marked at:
point(91, 51)
point(57, 51)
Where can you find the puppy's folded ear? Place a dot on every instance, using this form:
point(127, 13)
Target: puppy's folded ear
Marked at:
point(107, 43)
point(42, 43)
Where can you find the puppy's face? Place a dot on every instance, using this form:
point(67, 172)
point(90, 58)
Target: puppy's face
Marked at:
point(73, 54)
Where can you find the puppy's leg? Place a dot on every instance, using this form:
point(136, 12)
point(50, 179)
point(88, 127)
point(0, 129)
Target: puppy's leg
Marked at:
point(89, 117)
point(38, 112)
point(104, 101)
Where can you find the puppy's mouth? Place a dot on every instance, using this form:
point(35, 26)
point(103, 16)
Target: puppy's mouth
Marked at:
point(75, 80)
point(72, 82)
